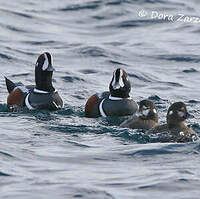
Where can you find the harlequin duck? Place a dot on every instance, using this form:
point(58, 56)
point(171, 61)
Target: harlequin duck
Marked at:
point(145, 118)
point(175, 127)
point(43, 95)
point(116, 102)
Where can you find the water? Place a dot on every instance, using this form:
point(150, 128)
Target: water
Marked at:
point(62, 154)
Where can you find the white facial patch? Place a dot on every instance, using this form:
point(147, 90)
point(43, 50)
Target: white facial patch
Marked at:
point(138, 114)
point(181, 113)
point(120, 83)
point(171, 112)
point(182, 133)
point(154, 110)
point(46, 62)
point(145, 112)
point(144, 107)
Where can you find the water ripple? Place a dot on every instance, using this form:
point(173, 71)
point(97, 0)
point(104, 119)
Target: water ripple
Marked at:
point(4, 174)
point(6, 154)
point(191, 70)
point(72, 79)
point(86, 6)
point(17, 14)
point(4, 56)
point(93, 51)
point(180, 58)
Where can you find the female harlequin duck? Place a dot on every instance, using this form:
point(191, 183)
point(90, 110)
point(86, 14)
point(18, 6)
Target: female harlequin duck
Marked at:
point(145, 118)
point(117, 102)
point(43, 95)
point(175, 127)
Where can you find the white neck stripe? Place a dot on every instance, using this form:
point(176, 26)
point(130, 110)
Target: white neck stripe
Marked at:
point(115, 98)
point(118, 98)
point(28, 105)
point(40, 91)
point(101, 109)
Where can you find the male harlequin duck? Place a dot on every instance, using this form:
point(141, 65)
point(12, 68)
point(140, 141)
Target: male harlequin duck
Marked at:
point(43, 95)
point(117, 102)
point(146, 118)
point(175, 127)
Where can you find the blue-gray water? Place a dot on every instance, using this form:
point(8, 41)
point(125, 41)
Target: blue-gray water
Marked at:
point(65, 155)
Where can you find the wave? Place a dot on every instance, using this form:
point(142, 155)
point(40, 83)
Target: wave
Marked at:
point(4, 174)
point(93, 5)
point(180, 58)
point(17, 14)
point(5, 56)
point(93, 51)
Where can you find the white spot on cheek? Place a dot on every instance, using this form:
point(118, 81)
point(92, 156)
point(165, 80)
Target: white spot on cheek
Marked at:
point(171, 112)
point(46, 62)
point(182, 133)
point(138, 114)
point(145, 112)
point(154, 110)
point(181, 113)
point(144, 107)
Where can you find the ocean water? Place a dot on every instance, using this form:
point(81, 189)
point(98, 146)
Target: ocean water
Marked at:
point(62, 154)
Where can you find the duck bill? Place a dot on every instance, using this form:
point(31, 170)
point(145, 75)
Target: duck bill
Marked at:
point(50, 68)
point(187, 116)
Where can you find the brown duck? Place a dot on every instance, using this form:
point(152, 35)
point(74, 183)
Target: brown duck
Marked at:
point(146, 118)
point(175, 127)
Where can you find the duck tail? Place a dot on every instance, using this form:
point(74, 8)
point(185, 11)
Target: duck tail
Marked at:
point(10, 85)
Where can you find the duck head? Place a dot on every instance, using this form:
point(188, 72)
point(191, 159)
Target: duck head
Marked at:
point(120, 85)
point(176, 114)
point(43, 72)
point(148, 110)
